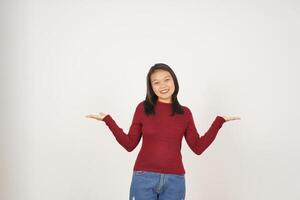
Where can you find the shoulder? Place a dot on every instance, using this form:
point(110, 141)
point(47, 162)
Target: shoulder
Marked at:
point(186, 109)
point(140, 105)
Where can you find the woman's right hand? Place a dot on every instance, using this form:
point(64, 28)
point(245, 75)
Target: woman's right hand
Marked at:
point(98, 117)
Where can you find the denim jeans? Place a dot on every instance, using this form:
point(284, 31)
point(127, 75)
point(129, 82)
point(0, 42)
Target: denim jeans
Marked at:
point(146, 185)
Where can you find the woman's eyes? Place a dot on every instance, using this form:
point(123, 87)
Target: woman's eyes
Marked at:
point(165, 79)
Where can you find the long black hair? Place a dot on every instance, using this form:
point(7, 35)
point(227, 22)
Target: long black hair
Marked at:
point(151, 97)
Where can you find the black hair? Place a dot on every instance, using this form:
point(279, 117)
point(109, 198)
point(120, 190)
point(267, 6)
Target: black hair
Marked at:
point(151, 97)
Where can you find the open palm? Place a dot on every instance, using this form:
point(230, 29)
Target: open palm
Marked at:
point(99, 116)
point(229, 118)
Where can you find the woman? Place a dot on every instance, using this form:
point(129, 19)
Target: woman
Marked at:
point(158, 172)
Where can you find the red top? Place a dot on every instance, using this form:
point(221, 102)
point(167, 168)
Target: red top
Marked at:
point(162, 135)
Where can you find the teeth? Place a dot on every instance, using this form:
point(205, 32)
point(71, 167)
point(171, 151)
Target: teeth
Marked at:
point(164, 91)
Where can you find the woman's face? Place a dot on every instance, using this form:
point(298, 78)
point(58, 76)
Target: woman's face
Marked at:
point(163, 85)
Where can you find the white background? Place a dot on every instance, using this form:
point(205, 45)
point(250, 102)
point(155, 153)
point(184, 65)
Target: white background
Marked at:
point(62, 60)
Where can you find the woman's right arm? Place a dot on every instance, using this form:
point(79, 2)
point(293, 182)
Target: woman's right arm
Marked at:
point(128, 141)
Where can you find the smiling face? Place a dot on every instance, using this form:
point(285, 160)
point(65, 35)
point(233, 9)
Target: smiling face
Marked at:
point(163, 85)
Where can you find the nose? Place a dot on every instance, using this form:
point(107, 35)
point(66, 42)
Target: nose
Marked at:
point(163, 86)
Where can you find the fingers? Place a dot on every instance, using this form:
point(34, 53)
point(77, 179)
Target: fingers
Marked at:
point(234, 118)
point(229, 118)
point(92, 116)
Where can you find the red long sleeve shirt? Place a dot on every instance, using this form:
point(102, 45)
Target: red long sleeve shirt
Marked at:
point(162, 136)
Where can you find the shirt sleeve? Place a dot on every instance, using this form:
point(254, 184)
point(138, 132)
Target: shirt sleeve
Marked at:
point(128, 141)
point(198, 143)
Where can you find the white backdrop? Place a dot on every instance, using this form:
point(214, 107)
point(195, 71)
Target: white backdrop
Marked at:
point(62, 60)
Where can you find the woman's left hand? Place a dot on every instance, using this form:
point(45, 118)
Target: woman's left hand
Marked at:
point(229, 118)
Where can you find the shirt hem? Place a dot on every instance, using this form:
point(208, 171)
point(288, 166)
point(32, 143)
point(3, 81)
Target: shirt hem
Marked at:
point(159, 171)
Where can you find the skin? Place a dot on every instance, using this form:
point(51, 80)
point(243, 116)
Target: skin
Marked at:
point(160, 80)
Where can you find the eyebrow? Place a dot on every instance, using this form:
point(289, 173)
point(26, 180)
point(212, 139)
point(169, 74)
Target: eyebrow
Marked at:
point(164, 77)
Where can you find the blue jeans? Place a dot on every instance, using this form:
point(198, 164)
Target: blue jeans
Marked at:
point(146, 185)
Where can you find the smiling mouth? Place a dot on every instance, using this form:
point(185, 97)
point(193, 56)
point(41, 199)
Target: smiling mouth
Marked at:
point(164, 91)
